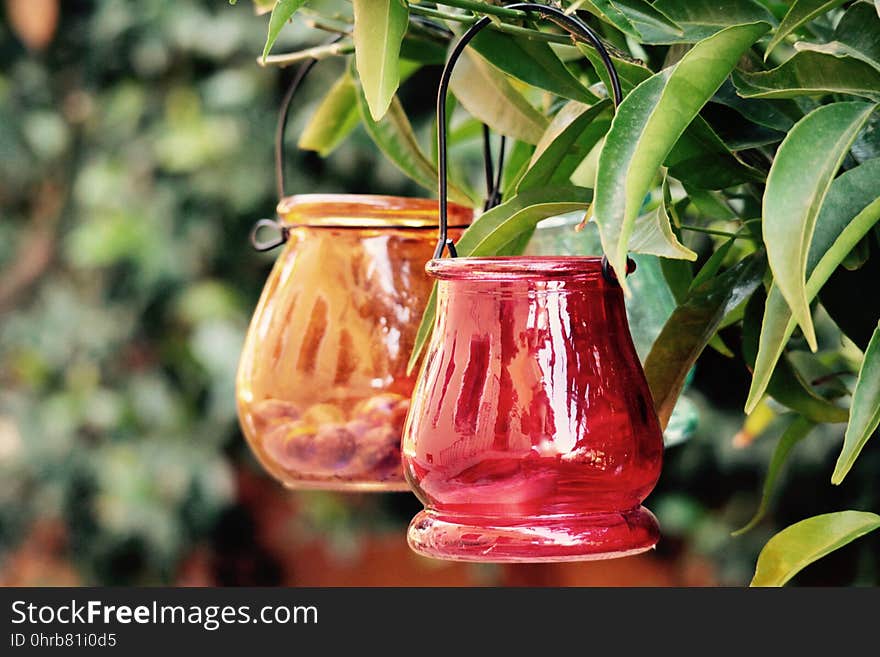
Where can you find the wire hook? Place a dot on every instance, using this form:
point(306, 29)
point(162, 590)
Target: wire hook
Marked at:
point(571, 24)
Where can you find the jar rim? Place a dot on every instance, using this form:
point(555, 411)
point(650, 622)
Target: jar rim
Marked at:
point(514, 267)
point(368, 211)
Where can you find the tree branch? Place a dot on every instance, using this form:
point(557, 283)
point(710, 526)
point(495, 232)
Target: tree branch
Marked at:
point(318, 52)
point(484, 8)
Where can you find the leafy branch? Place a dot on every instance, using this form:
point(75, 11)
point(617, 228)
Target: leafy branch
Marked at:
point(745, 115)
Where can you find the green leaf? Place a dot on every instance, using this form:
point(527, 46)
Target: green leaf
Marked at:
point(338, 113)
point(488, 96)
point(851, 208)
point(608, 12)
point(569, 138)
point(335, 118)
point(786, 385)
point(855, 35)
point(710, 204)
point(426, 51)
point(737, 134)
point(701, 159)
point(702, 18)
point(637, 18)
point(691, 326)
point(857, 258)
point(790, 389)
point(492, 229)
point(810, 74)
point(839, 50)
point(505, 232)
point(495, 233)
point(865, 413)
point(678, 275)
point(395, 138)
point(647, 19)
point(804, 542)
point(799, 179)
point(426, 326)
point(631, 74)
point(716, 343)
point(867, 144)
point(764, 113)
point(531, 61)
point(379, 26)
point(517, 163)
point(797, 430)
point(281, 13)
point(646, 127)
point(653, 234)
point(713, 264)
point(801, 11)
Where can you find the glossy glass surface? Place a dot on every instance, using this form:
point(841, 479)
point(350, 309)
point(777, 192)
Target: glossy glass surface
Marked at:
point(322, 389)
point(647, 309)
point(532, 435)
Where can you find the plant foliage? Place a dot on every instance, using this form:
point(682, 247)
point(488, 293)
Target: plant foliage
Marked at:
point(759, 122)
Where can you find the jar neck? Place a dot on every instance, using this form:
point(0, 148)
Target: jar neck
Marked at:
point(516, 305)
point(527, 288)
point(367, 211)
point(536, 269)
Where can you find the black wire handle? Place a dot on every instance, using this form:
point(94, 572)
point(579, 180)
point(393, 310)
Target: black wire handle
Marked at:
point(281, 125)
point(282, 232)
point(493, 180)
point(571, 24)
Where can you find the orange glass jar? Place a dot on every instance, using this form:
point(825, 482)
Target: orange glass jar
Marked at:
point(322, 389)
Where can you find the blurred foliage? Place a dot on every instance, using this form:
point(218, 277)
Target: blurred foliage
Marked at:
point(734, 121)
point(135, 153)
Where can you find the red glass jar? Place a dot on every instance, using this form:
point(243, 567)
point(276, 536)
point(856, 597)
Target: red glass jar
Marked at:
point(532, 434)
point(322, 389)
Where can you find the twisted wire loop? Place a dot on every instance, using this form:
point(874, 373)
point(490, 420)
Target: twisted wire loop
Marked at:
point(280, 231)
point(579, 31)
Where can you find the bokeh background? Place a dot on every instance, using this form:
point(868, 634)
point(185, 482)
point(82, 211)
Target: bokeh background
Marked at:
point(135, 154)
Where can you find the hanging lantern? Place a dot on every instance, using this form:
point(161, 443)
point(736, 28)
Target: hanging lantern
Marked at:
point(532, 434)
point(647, 309)
point(322, 388)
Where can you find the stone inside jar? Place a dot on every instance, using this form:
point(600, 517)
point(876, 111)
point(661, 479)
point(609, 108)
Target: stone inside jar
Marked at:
point(322, 442)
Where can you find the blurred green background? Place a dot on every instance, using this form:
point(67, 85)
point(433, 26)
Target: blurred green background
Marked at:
point(135, 154)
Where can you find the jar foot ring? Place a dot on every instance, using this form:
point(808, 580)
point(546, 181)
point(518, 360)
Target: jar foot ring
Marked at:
point(581, 537)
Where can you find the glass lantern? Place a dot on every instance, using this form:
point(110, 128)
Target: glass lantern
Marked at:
point(647, 309)
point(532, 434)
point(322, 388)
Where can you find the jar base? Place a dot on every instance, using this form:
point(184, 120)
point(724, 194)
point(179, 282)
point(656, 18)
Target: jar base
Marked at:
point(582, 537)
point(350, 486)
